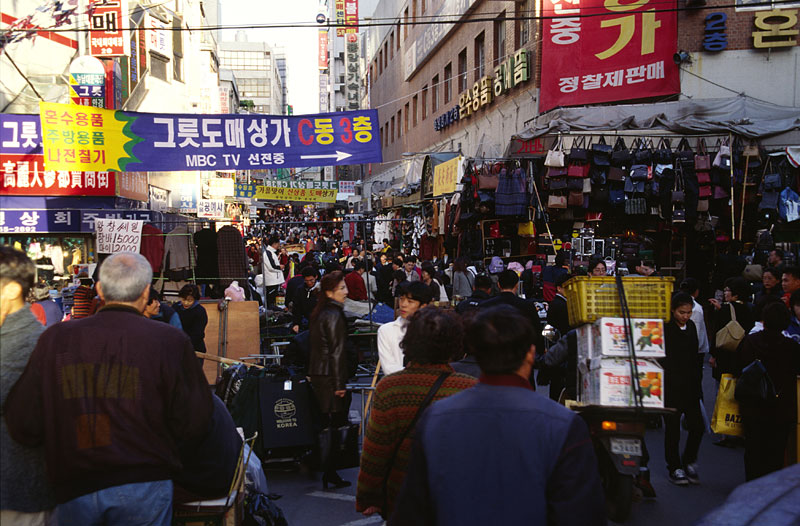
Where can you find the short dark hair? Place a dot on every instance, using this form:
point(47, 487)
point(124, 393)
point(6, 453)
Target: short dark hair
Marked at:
point(794, 271)
point(429, 268)
point(309, 271)
point(417, 291)
point(358, 264)
point(398, 262)
point(772, 270)
point(689, 286)
point(681, 298)
point(776, 317)
point(433, 336)
point(274, 239)
point(399, 275)
point(561, 258)
point(763, 301)
point(563, 278)
point(154, 295)
point(507, 279)
point(385, 240)
point(189, 290)
point(739, 287)
point(778, 252)
point(411, 259)
point(632, 263)
point(794, 299)
point(500, 338)
point(597, 261)
point(483, 282)
point(16, 266)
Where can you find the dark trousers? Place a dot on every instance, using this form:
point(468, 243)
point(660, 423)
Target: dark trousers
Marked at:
point(672, 435)
point(272, 292)
point(764, 447)
point(331, 460)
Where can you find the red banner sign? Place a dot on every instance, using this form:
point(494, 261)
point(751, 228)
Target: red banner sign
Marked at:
point(133, 185)
point(350, 12)
point(323, 50)
point(25, 175)
point(620, 51)
point(107, 23)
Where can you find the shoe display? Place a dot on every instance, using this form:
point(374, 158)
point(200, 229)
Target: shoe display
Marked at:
point(678, 477)
point(691, 473)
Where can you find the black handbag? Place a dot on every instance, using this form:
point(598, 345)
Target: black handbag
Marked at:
point(621, 156)
point(601, 153)
point(559, 183)
point(286, 415)
point(643, 154)
point(684, 152)
point(754, 387)
point(663, 154)
point(579, 153)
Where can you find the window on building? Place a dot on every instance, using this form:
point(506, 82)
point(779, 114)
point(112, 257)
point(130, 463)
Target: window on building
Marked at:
point(462, 70)
point(391, 133)
point(413, 10)
point(385, 55)
point(414, 102)
point(422, 6)
point(158, 66)
point(399, 125)
point(765, 5)
point(177, 49)
point(522, 29)
point(398, 36)
point(500, 38)
point(424, 102)
point(435, 94)
point(380, 61)
point(405, 24)
point(448, 82)
point(391, 45)
point(405, 120)
point(375, 64)
point(480, 56)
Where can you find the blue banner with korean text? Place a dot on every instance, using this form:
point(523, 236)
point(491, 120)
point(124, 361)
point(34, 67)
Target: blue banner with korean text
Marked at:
point(131, 141)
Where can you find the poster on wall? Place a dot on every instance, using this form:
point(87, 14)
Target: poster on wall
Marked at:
point(622, 51)
point(118, 235)
point(115, 140)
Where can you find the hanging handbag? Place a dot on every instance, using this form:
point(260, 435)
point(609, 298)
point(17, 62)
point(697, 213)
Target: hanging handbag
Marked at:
point(621, 156)
point(751, 150)
point(575, 184)
point(644, 153)
point(487, 181)
point(678, 216)
point(703, 178)
point(639, 172)
point(578, 170)
point(729, 337)
point(635, 206)
point(558, 184)
point(704, 192)
point(556, 201)
point(390, 464)
point(616, 174)
point(555, 157)
point(663, 154)
point(601, 153)
point(578, 152)
point(702, 205)
point(720, 193)
point(526, 229)
point(678, 195)
point(598, 175)
point(772, 182)
point(616, 196)
point(587, 185)
point(575, 199)
point(702, 161)
point(723, 157)
point(556, 171)
point(684, 151)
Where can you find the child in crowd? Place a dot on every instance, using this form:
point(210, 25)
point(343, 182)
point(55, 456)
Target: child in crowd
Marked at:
point(682, 391)
point(193, 316)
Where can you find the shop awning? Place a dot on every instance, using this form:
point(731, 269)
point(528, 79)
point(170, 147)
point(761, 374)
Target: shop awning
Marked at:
point(740, 115)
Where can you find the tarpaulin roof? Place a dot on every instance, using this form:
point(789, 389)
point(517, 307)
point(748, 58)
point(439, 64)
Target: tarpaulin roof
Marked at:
point(740, 115)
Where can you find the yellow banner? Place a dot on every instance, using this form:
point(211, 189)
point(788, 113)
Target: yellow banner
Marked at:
point(82, 138)
point(445, 176)
point(309, 195)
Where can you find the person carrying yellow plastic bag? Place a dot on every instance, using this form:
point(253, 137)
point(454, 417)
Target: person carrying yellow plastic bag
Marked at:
point(727, 418)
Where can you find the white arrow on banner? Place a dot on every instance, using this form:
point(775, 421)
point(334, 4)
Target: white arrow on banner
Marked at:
point(338, 155)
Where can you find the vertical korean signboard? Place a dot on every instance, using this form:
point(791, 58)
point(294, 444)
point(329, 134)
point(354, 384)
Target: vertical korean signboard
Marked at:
point(623, 51)
point(87, 82)
point(322, 52)
point(107, 22)
point(353, 78)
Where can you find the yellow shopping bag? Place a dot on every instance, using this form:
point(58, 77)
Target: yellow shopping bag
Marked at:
point(727, 419)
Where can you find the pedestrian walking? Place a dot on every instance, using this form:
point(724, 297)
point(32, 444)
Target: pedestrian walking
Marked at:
point(411, 297)
point(112, 410)
point(432, 336)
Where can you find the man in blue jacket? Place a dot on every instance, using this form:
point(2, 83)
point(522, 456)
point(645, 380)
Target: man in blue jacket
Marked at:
point(499, 453)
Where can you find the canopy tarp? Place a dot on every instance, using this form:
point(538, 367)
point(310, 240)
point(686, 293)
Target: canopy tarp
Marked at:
point(741, 115)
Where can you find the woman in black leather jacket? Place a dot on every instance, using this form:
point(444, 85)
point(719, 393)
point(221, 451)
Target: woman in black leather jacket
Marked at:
point(328, 362)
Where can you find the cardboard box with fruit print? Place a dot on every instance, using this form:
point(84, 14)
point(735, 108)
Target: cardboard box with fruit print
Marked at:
point(608, 338)
point(609, 383)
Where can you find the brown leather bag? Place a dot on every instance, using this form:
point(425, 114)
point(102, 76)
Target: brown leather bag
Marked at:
point(575, 198)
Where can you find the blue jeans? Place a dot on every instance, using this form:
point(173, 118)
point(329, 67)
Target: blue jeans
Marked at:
point(140, 504)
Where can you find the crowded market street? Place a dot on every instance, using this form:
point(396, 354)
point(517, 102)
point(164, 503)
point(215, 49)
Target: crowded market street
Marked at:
point(399, 262)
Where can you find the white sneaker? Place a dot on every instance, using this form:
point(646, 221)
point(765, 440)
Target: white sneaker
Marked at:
point(678, 477)
point(691, 473)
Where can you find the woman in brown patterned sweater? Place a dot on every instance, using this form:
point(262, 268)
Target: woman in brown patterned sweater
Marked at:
point(432, 339)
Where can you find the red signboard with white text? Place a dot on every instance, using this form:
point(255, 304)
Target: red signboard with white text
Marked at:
point(607, 50)
point(322, 53)
point(25, 175)
point(108, 20)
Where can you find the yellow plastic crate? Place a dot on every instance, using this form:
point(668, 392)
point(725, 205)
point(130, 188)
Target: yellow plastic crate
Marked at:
point(590, 298)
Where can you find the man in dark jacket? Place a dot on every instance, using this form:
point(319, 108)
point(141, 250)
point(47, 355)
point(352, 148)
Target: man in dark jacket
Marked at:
point(111, 397)
point(535, 458)
point(304, 300)
point(483, 287)
point(508, 281)
point(557, 314)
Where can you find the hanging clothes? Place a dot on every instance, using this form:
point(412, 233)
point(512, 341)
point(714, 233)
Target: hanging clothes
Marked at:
point(511, 197)
point(207, 265)
point(179, 251)
point(231, 257)
point(443, 205)
point(152, 247)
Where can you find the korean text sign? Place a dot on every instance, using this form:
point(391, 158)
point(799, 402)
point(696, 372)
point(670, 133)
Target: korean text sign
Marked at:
point(445, 176)
point(622, 51)
point(118, 235)
point(22, 164)
point(305, 191)
point(107, 24)
point(84, 138)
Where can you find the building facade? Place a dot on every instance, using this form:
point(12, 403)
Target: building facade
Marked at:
point(258, 77)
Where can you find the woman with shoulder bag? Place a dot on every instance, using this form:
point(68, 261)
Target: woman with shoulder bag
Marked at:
point(463, 279)
point(767, 426)
point(432, 339)
point(733, 308)
point(328, 367)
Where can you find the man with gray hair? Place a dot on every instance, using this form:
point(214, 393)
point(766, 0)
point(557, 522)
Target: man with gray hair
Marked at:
point(111, 397)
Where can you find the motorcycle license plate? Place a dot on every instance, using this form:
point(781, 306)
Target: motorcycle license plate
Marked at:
point(626, 446)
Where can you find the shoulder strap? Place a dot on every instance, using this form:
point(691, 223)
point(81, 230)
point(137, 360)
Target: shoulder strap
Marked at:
point(733, 312)
point(425, 403)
